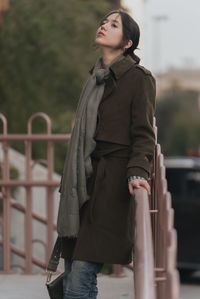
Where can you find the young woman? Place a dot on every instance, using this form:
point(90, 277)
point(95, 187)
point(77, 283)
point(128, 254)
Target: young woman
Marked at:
point(109, 155)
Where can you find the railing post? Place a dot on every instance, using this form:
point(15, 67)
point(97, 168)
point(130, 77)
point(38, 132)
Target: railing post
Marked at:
point(49, 189)
point(144, 279)
point(28, 183)
point(28, 209)
point(167, 278)
point(117, 271)
point(6, 200)
point(50, 200)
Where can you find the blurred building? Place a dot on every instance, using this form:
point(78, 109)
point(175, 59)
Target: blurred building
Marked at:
point(182, 78)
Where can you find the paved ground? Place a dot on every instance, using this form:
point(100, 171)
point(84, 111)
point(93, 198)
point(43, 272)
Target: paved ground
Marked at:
point(19, 286)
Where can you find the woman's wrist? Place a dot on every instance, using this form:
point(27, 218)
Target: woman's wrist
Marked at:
point(136, 177)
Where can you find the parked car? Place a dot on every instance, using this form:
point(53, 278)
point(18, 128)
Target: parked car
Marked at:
point(183, 177)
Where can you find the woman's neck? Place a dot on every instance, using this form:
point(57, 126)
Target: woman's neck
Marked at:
point(108, 56)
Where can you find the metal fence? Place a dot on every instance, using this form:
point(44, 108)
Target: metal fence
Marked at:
point(28, 183)
point(155, 273)
point(155, 250)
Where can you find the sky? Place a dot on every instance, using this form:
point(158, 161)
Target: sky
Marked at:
point(174, 41)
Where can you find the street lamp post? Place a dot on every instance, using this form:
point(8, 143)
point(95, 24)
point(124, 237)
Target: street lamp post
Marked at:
point(157, 44)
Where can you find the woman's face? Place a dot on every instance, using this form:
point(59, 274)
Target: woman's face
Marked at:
point(110, 32)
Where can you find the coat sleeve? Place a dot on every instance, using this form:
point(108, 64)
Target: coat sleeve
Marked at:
point(141, 130)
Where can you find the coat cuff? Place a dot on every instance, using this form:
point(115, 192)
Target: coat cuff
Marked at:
point(137, 171)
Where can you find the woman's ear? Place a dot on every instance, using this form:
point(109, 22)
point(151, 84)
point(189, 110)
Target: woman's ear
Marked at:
point(129, 44)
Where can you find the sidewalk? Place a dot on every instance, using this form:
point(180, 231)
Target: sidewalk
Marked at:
point(20, 286)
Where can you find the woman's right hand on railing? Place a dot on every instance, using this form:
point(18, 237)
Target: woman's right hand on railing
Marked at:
point(138, 183)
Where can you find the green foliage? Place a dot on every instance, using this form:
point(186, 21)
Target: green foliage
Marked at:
point(178, 121)
point(14, 173)
point(46, 50)
point(107, 269)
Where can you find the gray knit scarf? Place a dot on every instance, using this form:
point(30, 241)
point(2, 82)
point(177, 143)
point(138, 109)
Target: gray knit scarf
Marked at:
point(78, 166)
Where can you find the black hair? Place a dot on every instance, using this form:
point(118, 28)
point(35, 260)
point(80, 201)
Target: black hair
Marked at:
point(131, 31)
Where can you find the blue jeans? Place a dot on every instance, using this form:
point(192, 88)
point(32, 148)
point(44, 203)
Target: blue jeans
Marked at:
point(80, 280)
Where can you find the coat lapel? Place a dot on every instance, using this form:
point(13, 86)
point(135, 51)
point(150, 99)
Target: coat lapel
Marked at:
point(109, 87)
point(117, 70)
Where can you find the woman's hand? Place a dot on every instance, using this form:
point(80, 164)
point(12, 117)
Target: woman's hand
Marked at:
point(137, 183)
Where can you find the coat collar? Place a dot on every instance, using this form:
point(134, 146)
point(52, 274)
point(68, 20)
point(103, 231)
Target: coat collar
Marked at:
point(120, 67)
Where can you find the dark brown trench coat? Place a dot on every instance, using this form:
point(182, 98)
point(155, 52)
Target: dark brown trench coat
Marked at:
point(125, 146)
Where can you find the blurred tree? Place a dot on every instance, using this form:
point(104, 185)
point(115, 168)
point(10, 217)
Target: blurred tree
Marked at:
point(178, 121)
point(46, 50)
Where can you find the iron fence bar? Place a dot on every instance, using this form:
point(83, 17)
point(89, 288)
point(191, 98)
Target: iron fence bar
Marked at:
point(167, 279)
point(50, 184)
point(50, 200)
point(22, 254)
point(6, 200)
point(34, 215)
point(28, 210)
point(35, 137)
point(29, 183)
point(144, 276)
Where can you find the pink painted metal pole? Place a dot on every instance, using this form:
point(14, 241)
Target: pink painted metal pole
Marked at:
point(35, 137)
point(50, 184)
point(22, 254)
point(50, 200)
point(49, 189)
point(144, 262)
point(28, 209)
point(28, 183)
point(117, 271)
point(35, 216)
point(167, 279)
point(6, 201)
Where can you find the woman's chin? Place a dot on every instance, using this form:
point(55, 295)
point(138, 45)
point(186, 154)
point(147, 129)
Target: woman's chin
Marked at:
point(100, 45)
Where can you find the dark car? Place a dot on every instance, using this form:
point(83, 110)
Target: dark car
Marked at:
point(183, 177)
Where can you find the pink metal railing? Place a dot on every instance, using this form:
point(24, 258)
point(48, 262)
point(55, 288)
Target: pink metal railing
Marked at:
point(164, 234)
point(144, 274)
point(155, 249)
point(155, 273)
point(6, 183)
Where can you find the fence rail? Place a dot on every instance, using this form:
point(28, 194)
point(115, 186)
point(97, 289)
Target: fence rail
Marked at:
point(6, 183)
point(155, 272)
point(155, 250)
point(144, 275)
